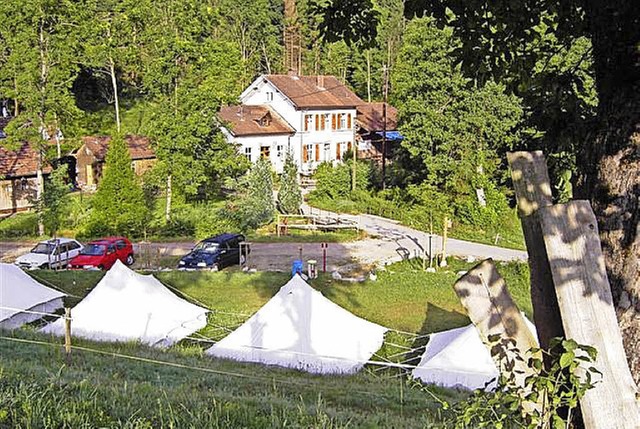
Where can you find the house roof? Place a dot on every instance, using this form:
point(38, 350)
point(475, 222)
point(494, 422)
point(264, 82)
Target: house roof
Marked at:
point(314, 92)
point(19, 163)
point(254, 120)
point(370, 117)
point(139, 146)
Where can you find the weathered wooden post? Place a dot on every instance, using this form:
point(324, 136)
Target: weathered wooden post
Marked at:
point(483, 293)
point(445, 228)
point(67, 334)
point(533, 191)
point(584, 298)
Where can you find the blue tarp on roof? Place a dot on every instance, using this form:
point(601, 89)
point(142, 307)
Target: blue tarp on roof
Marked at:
point(391, 135)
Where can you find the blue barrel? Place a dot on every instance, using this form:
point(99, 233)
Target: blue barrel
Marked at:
point(297, 267)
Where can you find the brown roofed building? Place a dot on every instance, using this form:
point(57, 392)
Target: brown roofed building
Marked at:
point(371, 126)
point(254, 121)
point(91, 156)
point(315, 92)
point(319, 110)
point(18, 181)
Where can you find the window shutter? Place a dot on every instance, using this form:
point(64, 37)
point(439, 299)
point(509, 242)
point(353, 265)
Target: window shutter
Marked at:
point(306, 123)
point(317, 152)
point(305, 153)
point(349, 146)
point(333, 121)
point(349, 121)
point(317, 122)
point(338, 151)
point(322, 121)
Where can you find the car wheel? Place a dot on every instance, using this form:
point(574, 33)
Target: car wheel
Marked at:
point(101, 267)
point(243, 259)
point(215, 267)
point(130, 260)
point(44, 267)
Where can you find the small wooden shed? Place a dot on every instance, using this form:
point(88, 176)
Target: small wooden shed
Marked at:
point(18, 182)
point(90, 158)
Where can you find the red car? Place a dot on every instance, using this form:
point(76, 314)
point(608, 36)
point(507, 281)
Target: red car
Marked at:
point(103, 253)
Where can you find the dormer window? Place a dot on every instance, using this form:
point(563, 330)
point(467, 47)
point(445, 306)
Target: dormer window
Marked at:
point(265, 121)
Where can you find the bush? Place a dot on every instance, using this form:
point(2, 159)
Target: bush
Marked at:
point(336, 181)
point(469, 211)
point(256, 206)
point(289, 195)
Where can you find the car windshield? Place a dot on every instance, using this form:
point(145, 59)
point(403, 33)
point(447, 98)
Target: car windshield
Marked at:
point(206, 246)
point(93, 249)
point(43, 248)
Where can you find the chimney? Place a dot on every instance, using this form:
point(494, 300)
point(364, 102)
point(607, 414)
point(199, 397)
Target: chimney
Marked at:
point(320, 81)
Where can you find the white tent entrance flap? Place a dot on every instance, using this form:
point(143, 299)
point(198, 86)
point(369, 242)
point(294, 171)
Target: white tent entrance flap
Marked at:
point(127, 306)
point(459, 358)
point(299, 328)
point(22, 299)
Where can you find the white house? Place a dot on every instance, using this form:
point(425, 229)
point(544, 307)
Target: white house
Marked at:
point(313, 117)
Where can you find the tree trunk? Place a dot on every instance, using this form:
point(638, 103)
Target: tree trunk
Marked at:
point(114, 83)
point(369, 76)
point(611, 176)
point(40, 191)
point(167, 210)
point(16, 106)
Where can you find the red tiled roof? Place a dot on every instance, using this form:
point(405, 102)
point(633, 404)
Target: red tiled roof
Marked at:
point(315, 92)
point(19, 163)
point(370, 117)
point(139, 146)
point(254, 120)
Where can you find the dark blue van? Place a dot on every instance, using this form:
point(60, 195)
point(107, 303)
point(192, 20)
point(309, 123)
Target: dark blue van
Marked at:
point(214, 253)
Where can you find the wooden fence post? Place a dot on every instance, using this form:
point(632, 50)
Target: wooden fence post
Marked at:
point(445, 228)
point(483, 293)
point(533, 191)
point(584, 298)
point(67, 334)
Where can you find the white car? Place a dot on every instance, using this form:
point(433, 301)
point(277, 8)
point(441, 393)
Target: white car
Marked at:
point(55, 253)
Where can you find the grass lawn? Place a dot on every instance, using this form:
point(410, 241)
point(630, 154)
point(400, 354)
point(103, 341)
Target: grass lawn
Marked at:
point(131, 386)
point(105, 387)
point(403, 297)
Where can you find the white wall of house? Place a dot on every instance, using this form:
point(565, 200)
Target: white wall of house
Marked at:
point(319, 143)
point(275, 146)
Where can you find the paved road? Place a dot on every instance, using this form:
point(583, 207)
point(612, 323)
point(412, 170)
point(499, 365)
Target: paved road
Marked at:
point(400, 240)
point(390, 242)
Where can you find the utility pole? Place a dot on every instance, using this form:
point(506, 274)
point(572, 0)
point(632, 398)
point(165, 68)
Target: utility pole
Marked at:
point(385, 93)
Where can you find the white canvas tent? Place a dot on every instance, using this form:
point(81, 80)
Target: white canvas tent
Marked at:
point(458, 358)
point(22, 299)
point(127, 306)
point(300, 328)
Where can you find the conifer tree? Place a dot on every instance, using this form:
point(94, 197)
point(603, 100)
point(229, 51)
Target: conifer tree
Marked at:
point(257, 206)
point(289, 196)
point(119, 204)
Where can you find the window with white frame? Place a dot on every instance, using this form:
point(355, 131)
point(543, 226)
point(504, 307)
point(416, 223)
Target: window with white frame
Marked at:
point(279, 151)
point(343, 121)
point(308, 122)
point(269, 95)
point(326, 121)
point(247, 152)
